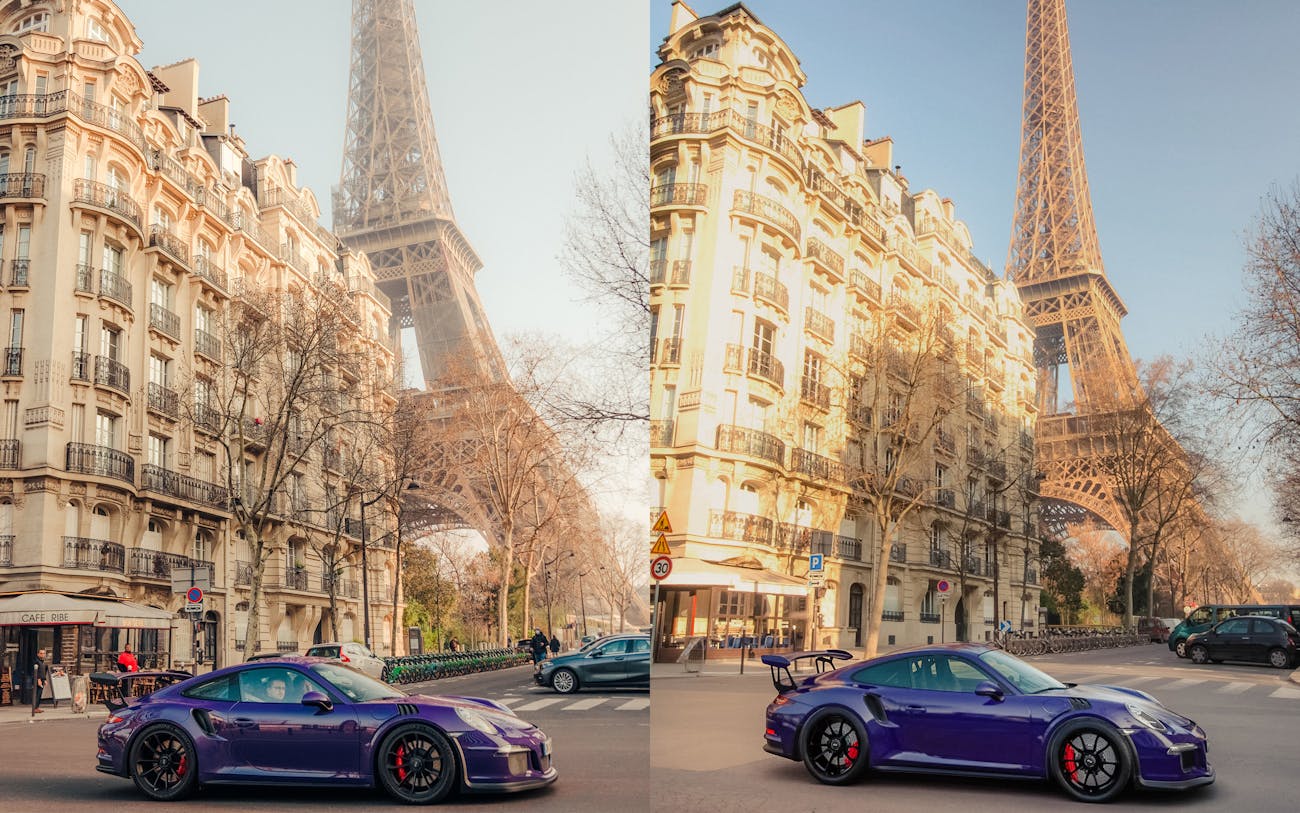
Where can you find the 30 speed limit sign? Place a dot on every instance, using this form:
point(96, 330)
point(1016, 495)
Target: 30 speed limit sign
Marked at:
point(661, 567)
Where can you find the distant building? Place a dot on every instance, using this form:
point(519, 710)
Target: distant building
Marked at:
point(808, 311)
point(131, 217)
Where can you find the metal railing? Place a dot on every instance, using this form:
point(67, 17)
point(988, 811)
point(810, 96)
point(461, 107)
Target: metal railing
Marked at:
point(164, 320)
point(112, 373)
point(825, 255)
point(770, 289)
point(154, 564)
point(898, 553)
point(817, 466)
point(819, 323)
point(766, 208)
point(18, 272)
point(205, 269)
point(207, 344)
point(6, 550)
point(106, 197)
point(22, 185)
point(751, 442)
point(661, 433)
point(679, 194)
point(740, 527)
point(84, 458)
point(767, 367)
point(83, 553)
point(162, 399)
point(115, 287)
point(13, 362)
point(10, 453)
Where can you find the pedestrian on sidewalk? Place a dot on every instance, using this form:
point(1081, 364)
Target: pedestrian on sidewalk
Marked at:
point(126, 662)
point(555, 645)
point(539, 644)
point(40, 677)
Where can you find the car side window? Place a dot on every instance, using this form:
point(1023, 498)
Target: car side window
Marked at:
point(222, 688)
point(1199, 616)
point(1259, 626)
point(615, 648)
point(639, 646)
point(275, 685)
point(1237, 626)
point(966, 675)
point(896, 674)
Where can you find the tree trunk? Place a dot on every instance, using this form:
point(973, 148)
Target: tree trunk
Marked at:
point(252, 634)
point(1130, 568)
point(503, 593)
point(397, 583)
point(881, 578)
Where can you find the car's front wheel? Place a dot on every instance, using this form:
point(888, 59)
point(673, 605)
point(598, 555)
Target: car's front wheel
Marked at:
point(162, 763)
point(1279, 658)
point(416, 764)
point(1090, 762)
point(1181, 648)
point(564, 681)
point(834, 747)
point(1200, 654)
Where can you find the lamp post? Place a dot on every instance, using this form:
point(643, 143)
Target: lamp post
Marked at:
point(365, 571)
point(397, 565)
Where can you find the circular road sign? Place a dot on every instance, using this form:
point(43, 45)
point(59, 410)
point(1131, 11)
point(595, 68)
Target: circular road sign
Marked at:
point(661, 567)
point(943, 586)
point(194, 595)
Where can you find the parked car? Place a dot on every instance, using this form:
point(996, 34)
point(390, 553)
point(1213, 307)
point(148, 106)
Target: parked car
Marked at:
point(974, 709)
point(1246, 638)
point(358, 656)
point(616, 660)
point(1207, 615)
point(309, 721)
point(262, 656)
point(1154, 629)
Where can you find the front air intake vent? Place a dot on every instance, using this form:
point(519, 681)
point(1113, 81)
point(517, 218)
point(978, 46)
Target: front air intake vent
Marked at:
point(1079, 703)
point(406, 709)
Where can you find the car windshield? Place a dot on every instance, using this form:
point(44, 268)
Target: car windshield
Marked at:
point(587, 646)
point(1020, 674)
point(358, 687)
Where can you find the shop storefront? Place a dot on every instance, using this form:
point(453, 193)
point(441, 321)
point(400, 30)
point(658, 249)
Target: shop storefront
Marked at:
point(728, 610)
point(80, 633)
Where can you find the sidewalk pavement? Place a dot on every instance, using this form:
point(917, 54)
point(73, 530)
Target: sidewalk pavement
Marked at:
point(22, 713)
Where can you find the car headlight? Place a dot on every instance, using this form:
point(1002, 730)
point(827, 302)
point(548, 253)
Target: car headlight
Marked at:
point(478, 721)
point(545, 665)
point(1149, 720)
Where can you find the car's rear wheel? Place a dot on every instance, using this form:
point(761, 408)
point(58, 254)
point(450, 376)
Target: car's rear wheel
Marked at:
point(163, 764)
point(1200, 654)
point(1090, 762)
point(564, 681)
point(1279, 658)
point(834, 747)
point(416, 764)
point(1181, 648)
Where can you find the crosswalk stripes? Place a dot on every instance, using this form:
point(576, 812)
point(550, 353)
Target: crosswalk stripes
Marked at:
point(635, 705)
point(1235, 687)
point(1163, 683)
point(539, 704)
point(574, 703)
point(1287, 693)
point(1138, 681)
point(1183, 683)
point(583, 705)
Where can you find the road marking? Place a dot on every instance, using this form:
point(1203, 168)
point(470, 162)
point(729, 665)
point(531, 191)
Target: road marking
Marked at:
point(583, 705)
point(1235, 687)
point(635, 705)
point(1183, 683)
point(1106, 677)
point(539, 704)
point(1137, 681)
point(1289, 694)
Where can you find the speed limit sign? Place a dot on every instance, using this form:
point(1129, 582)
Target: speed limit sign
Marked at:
point(661, 567)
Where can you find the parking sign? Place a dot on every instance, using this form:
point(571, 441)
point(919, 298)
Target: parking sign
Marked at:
point(815, 563)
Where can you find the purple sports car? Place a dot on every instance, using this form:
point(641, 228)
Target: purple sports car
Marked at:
point(311, 721)
point(974, 710)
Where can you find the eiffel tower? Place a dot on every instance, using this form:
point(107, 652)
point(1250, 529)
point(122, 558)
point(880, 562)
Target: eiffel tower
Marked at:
point(1055, 262)
point(392, 201)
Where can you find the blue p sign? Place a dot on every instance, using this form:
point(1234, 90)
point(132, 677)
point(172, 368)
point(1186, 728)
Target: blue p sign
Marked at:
point(815, 563)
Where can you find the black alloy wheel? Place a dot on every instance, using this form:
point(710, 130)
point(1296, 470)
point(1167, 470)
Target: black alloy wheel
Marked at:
point(162, 763)
point(416, 764)
point(1090, 762)
point(834, 747)
point(1200, 654)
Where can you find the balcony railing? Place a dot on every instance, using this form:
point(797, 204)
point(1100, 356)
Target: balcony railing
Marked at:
point(898, 553)
point(741, 440)
point(163, 320)
point(815, 392)
point(798, 539)
point(814, 465)
point(679, 194)
point(825, 256)
point(860, 347)
point(819, 323)
point(767, 367)
point(207, 418)
point(154, 564)
point(929, 618)
point(82, 553)
point(112, 373)
point(973, 565)
point(115, 287)
point(751, 130)
point(869, 287)
point(847, 547)
point(681, 273)
point(681, 124)
point(294, 580)
point(770, 289)
point(81, 366)
point(106, 197)
point(163, 400)
point(10, 453)
point(161, 237)
point(733, 358)
point(661, 433)
point(768, 209)
point(85, 282)
point(210, 271)
point(342, 588)
point(22, 185)
point(243, 573)
point(7, 550)
point(83, 458)
point(740, 527)
point(945, 498)
point(13, 362)
point(18, 269)
point(941, 558)
point(670, 352)
point(207, 344)
point(891, 615)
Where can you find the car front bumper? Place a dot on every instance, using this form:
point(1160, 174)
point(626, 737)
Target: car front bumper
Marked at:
point(514, 761)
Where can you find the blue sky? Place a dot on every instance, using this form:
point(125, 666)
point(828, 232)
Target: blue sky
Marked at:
point(1187, 108)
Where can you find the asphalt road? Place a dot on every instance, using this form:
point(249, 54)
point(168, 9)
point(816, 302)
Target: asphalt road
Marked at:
point(601, 741)
point(706, 744)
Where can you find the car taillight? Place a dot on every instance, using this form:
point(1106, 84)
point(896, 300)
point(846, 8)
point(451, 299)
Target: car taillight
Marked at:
point(343, 656)
point(781, 700)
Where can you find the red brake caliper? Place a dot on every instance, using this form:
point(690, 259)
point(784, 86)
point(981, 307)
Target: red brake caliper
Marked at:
point(1070, 767)
point(180, 767)
point(852, 753)
point(401, 759)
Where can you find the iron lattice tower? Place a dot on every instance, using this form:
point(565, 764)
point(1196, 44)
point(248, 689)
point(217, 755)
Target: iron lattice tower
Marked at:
point(1056, 264)
point(392, 200)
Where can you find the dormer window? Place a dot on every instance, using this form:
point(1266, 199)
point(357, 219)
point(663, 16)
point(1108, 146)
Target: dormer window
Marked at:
point(709, 49)
point(96, 31)
point(40, 21)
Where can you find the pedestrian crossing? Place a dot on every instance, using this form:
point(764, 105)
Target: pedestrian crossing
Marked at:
point(575, 703)
point(1157, 684)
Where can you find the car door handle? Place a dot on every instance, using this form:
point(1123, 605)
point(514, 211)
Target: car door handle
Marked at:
point(244, 722)
point(917, 709)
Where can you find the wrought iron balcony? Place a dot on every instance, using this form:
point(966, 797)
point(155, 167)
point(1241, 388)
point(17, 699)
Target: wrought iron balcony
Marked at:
point(819, 324)
point(116, 287)
point(817, 466)
point(295, 579)
point(112, 373)
point(860, 283)
point(975, 456)
point(661, 433)
point(7, 550)
point(13, 362)
point(767, 209)
point(670, 352)
point(22, 185)
point(815, 392)
point(102, 461)
point(898, 553)
point(352, 527)
point(10, 453)
point(243, 573)
point(161, 237)
point(945, 498)
point(164, 321)
point(929, 618)
point(154, 564)
point(740, 527)
point(826, 257)
point(106, 197)
point(770, 290)
point(207, 419)
point(848, 547)
point(860, 347)
point(18, 272)
point(733, 358)
point(751, 130)
point(681, 273)
point(679, 194)
point(751, 442)
point(767, 367)
point(175, 484)
point(945, 442)
point(85, 282)
point(81, 366)
point(859, 412)
point(798, 539)
point(972, 565)
point(658, 271)
point(83, 553)
point(1031, 576)
point(330, 459)
point(998, 468)
point(163, 400)
point(340, 587)
point(941, 558)
point(891, 615)
point(680, 124)
point(207, 344)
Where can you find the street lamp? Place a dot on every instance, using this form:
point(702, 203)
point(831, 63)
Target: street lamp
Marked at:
point(397, 566)
point(365, 572)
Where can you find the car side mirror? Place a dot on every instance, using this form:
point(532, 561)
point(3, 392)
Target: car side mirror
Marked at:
point(318, 700)
point(989, 689)
point(597, 654)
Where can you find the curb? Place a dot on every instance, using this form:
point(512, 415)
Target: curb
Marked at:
point(1295, 676)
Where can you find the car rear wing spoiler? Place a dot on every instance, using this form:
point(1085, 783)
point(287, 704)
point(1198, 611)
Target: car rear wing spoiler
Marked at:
point(118, 684)
point(823, 659)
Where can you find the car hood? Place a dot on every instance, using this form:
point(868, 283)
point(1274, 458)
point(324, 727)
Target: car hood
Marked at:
point(449, 701)
point(1119, 695)
point(571, 658)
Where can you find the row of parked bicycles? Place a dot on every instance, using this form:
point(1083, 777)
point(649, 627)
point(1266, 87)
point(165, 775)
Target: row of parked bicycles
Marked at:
point(419, 668)
point(1070, 639)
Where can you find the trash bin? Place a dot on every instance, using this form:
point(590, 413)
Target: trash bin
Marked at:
point(80, 693)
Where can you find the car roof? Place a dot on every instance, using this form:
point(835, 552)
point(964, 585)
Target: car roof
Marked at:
point(969, 647)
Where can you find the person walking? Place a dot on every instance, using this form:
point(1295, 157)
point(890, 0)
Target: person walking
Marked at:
point(555, 645)
point(40, 677)
point(126, 662)
point(539, 644)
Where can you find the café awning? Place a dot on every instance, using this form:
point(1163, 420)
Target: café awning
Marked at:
point(690, 572)
point(43, 608)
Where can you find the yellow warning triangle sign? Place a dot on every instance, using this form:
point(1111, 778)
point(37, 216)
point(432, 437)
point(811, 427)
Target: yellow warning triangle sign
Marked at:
point(660, 547)
point(661, 525)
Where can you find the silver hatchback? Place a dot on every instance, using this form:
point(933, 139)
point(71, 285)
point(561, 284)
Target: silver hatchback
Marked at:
point(353, 654)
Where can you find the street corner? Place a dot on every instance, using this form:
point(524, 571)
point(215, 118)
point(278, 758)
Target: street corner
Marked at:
point(1294, 676)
